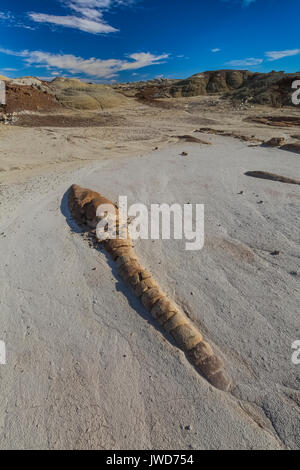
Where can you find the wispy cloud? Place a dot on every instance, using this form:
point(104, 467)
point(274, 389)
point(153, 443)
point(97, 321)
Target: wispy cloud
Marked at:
point(92, 67)
point(86, 15)
point(251, 61)
point(4, 15)
point(9, 20)
point(275, 55)
point(216, 49)
point(81, 23)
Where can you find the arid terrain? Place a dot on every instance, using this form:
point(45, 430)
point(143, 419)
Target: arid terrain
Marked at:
point(87, 366)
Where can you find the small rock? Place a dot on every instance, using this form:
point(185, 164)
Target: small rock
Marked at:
point(184, 154)
point(275, 253)
point(275, 142)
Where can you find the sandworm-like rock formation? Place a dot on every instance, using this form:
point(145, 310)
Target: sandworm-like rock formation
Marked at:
point(83, 205)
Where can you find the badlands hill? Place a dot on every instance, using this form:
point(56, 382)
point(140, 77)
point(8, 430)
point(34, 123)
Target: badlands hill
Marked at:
point(237, 86)
point(33, 94)
point(74, 93)
point(272, 89)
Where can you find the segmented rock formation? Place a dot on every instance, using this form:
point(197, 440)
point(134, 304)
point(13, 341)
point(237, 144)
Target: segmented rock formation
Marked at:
point(83, 205)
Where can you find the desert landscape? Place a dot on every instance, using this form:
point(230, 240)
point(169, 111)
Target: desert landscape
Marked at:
point(89, 365)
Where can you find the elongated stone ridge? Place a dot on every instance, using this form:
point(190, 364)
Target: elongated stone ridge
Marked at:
point(83, 205)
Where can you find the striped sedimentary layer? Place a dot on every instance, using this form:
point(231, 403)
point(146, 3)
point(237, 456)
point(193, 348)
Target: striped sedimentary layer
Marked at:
point(83, 205)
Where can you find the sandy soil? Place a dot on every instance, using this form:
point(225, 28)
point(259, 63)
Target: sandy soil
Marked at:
point(86, 366)
point(39, 142)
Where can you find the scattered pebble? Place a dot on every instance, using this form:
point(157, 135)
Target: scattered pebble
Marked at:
point(275, 253)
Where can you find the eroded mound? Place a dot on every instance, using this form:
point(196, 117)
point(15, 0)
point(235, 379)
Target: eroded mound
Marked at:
point(83, 205)
point(74, 94)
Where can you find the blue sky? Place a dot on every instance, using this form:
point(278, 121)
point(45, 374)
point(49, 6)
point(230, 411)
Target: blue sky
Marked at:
point(125, 40)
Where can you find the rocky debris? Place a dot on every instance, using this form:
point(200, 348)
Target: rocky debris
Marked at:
point(8, 118)
point(191, 139)
point(27, 98)
point(294, 147)
point(276, 121)
point(67, 120)
point(28, 81)
point(274, 142)
point(245, 138)
point(153, 96)
point(131, 89)
point(275, 253)
point(271, 176)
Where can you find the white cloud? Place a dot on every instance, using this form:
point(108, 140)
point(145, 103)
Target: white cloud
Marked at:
point(83, 24)
point(216, 49)
point(275, 55)
point(92, 67)
point(4, 16)
point(245, 62)
point(87, 15)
